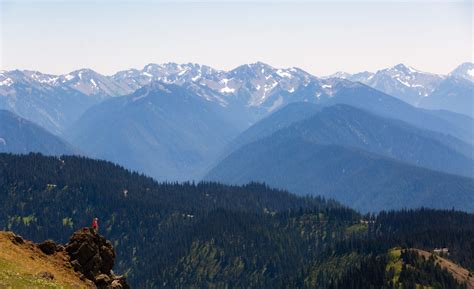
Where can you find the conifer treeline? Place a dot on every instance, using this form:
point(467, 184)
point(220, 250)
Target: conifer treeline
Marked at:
point(201, 235)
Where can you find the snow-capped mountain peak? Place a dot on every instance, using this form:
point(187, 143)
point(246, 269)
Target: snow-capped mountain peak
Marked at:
point(404, 69)
point(253, 83)
point(465, 71)
point(42, 78)
point(339, 74)
point(91, 83)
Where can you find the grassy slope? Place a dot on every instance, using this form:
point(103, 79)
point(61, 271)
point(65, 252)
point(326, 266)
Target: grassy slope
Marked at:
point(459, 273)
point(21, 264)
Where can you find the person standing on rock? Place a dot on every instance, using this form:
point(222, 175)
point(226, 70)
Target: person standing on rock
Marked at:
point(95, 224)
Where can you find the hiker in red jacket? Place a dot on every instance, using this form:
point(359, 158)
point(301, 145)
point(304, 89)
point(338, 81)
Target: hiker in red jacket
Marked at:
point(95, 224)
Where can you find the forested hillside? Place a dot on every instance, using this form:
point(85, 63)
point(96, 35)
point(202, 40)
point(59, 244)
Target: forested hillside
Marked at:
point(206, 235)
point(21, 136)
point(364, 181)
point(348, 126)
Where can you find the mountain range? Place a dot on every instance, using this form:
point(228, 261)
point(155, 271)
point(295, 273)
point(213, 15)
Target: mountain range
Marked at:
point(164, 130)
point(182, 133)
point(177, 122)
point(453, 92)
point(56, 101)
point(348, 126)
point(355, 157)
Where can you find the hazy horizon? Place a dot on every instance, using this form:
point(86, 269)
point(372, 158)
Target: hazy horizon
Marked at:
point(276, 67)
point(319, 37)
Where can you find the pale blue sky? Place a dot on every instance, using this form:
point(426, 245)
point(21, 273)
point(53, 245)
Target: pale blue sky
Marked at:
point(320, 37)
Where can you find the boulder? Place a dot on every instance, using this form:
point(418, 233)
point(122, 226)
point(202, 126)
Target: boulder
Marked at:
point(16, 239)
point(48, 247)
point(46, 275)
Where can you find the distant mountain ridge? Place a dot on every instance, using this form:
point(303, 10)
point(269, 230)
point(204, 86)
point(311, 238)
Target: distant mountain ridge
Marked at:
point(400, 80)
point(365, 181)
point(172, 133)
point(352, 127)
point(20, 136)
point(172, 121)
point(454, 91)
point(56, 101)
point(353, 156)
point(163, 130)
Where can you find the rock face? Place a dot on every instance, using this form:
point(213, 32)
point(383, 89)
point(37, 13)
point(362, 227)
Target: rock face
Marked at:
point(94, 256)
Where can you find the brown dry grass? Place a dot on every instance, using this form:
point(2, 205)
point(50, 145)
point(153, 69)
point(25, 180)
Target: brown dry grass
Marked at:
point(20, 265)
point(459, 273)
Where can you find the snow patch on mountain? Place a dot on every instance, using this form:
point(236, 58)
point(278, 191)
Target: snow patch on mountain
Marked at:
point(464, 71)
point(6, 82)
point(226, 89)
point(277, 103)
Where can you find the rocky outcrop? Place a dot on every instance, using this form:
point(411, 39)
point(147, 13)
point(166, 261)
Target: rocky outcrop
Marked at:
point(94, 256)
point(48, 247)
point(17, 240)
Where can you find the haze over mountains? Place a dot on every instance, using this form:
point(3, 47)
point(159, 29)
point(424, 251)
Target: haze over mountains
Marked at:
point(451, 92)
point(362, 160)
point(20, 136)
point(187, 121)
point(55, 101)
point(161, 129)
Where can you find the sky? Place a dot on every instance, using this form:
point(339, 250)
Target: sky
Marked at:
point(320, 37)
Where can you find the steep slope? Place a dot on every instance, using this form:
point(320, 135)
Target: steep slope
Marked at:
point(351, 127)
point(253, 91)
point(24, 265)
point(18, 135)
point(465, 71)
point(455, 93)
point(165, 131)
point(152, 225)
point(401, 81)
point(397, 268)
point(86, 261)
point(92, 84)
point(44, 99)
point(248, 84)
point(249, 92)
point(361, 180)
point(280, 119)
point(404, 82)
point(462, 275)
point(379, 103)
